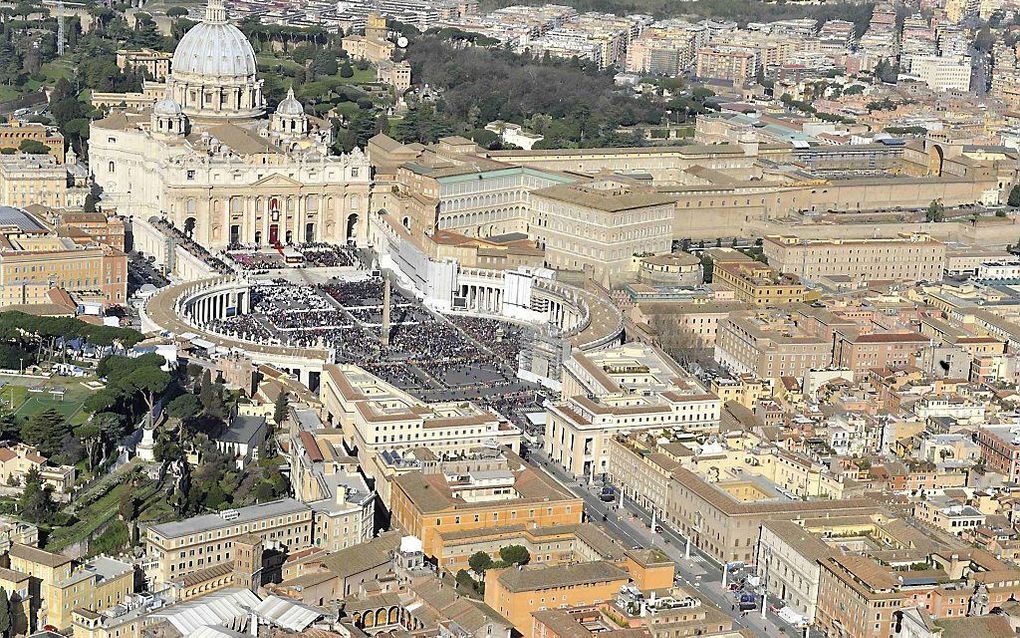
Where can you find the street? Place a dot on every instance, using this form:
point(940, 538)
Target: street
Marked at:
point(699, 573)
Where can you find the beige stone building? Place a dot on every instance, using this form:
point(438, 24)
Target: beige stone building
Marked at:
point(155, 64)
point(396, 74)
point(769, 345)
point(58, 587)
point(630, 387)
point(599, 227)
point(915, 257)
point(722, 516)
point(184, 547)
point(27, 180)
point(376, 417)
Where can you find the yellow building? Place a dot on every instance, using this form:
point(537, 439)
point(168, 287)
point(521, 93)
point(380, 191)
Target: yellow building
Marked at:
point(17, 586)
point(57, 588)
point(516, 593)
point(429, 506)
point(180, 548)
point(18, 460)
point(35, 257)
point(373, 46)
point(757, 284)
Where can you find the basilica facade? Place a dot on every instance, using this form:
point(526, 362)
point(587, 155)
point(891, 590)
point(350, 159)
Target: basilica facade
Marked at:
point(211, 159)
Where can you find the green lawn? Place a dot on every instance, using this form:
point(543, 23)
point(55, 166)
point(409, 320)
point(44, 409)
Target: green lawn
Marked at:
point(8, 93)
point(56, 70)
point(360, 77)
point(270, 60)
point(30, 396)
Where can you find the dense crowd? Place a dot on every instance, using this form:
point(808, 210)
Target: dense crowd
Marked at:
point(258, 261)
point(430, 356)
point(183, 239)
point(322, 255)
point(363, 292)
point(504, 339)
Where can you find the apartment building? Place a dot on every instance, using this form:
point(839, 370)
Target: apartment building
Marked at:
point(57, 586)
point(758, 284)
point(730, 64)
point(769, 345)
point(180, 548)
point(949, 73)
point(630, 387)
point(912, 257)
point(1000, 450)
point(598, 227)
point(431, 505)
point(517, 593)
point(861, 352)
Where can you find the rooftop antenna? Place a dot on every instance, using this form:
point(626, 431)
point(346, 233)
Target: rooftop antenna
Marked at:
point(60, 27)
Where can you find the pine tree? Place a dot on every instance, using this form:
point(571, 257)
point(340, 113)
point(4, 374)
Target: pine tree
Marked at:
point(5, 614)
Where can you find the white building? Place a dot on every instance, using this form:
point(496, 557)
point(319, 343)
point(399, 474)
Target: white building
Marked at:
point(207, 157)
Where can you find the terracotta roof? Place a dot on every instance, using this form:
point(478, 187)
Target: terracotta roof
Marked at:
point(529, 578)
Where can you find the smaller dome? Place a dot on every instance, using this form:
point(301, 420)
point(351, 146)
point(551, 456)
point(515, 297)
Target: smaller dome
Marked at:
point(167, 107)
point(290, 105)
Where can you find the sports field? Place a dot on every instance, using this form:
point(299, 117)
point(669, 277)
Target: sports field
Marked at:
point(29, 396)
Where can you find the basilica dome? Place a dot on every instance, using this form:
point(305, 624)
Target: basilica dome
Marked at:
point(212, 74)
point(215, 50)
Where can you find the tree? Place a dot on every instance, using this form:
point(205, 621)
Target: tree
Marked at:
point(347, 71)
point(280, 408)
point(187, 406)
point(5, 613)
point(1014, 196)
point(215, 497)
point(514, 555)
point(936, 211)
point(176, 12)
point(127, 507)
point(36, 501)
point(480, 561)
point(92, 438)
point(32, 147)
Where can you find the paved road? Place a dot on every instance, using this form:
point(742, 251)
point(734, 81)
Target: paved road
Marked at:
point(699, 572)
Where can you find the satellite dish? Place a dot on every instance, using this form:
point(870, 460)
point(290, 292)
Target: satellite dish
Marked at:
point(402, 42)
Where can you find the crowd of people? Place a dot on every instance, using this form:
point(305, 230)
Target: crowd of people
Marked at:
point(258, 261)
point(322, 255)
point(184, 239)
point(430, 356)
point(504, 339)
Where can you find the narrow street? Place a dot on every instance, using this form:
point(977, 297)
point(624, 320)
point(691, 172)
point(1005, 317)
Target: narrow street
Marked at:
point(699, 573)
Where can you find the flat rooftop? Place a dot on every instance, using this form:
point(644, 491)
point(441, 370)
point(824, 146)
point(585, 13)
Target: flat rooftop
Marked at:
point(210, 522)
